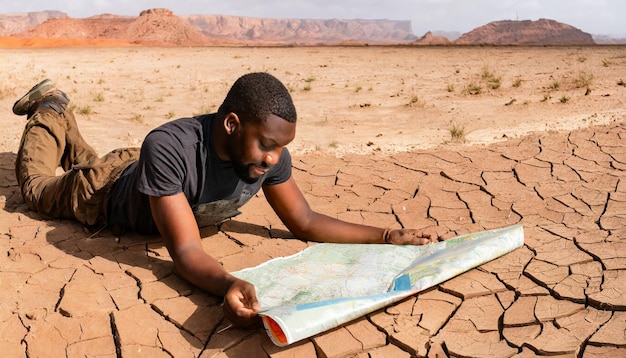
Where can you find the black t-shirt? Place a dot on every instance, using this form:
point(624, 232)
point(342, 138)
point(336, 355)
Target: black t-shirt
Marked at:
point(179, 157)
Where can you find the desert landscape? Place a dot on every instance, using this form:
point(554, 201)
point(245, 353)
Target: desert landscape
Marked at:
point(350, 99)
point(392, 131)
point(448, 139)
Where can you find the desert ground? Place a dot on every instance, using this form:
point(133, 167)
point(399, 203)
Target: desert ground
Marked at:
point(449, 139)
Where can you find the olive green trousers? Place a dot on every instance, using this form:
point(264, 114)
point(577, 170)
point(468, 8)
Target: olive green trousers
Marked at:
point(51, 139)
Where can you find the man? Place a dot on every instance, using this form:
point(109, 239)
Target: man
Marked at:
point(189, 173)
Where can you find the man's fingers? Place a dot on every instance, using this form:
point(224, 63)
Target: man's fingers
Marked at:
point(245, 312)
point(250, 300)
point(413, 237)
point(421, 241)
point(241, 304)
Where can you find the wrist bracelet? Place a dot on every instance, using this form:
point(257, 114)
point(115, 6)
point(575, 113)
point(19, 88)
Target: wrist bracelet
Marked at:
point(386, 235)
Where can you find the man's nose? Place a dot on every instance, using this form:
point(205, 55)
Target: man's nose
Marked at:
point(272, 157)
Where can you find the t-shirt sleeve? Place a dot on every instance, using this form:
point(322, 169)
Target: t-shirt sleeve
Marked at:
point(281, 172)
point(160, 167)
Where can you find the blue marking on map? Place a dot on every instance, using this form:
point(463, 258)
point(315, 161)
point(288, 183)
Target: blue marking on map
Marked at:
point(402, 283)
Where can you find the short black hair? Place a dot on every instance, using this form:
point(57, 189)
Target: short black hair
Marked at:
point(254, 96)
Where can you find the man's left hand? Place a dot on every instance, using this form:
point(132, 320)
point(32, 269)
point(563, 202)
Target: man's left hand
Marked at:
point(409, 237)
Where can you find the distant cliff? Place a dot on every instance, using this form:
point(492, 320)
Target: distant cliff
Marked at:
point(540, 32)
point(163, 27)
point(301, 31)
point(14, 23)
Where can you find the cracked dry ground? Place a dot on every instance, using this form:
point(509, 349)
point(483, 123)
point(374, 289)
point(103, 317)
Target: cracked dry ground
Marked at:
point(562, 293)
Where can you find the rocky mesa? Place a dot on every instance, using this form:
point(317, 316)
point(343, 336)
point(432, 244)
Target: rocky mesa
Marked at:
point(163, 27)
point(540, 32)
point(301, 31)
point(151, 27)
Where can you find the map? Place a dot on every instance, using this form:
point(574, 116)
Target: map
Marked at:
point(327, 285)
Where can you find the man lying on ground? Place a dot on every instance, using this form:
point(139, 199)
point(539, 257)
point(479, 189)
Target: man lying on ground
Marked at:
point(189, 173)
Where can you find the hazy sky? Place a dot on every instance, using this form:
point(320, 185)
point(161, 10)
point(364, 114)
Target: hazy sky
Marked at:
point(605, 17)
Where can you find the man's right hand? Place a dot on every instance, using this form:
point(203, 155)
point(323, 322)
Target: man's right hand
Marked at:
point(241, 305)
point(177, 225)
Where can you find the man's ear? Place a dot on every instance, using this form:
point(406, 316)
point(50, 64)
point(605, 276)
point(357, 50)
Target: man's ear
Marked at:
point(231, 123)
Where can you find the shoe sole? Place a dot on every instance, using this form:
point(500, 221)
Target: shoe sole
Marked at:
point(23, 104)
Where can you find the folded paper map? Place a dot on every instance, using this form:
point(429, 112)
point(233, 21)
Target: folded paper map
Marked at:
point(327, 285)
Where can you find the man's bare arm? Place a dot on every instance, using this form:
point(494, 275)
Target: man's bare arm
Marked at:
point(293, 209)
point(179, 230)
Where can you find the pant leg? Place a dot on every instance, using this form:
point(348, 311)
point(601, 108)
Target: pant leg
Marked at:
point(93, 182)
point(40, 152)
point(51, 139)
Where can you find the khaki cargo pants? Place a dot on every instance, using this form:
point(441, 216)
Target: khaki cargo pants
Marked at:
point(50, 140)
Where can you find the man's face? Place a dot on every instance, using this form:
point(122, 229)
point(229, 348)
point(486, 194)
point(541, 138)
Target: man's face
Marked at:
point(257, 146)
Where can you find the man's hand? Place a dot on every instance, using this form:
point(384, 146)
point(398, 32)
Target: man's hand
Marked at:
point(409, 237)
point(177, 225)
point(241, 305)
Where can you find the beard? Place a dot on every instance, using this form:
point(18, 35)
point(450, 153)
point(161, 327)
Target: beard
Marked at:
point(243, 172)
point(241, 169)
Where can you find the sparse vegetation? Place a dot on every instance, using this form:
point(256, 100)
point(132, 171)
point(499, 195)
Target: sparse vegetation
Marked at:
point(84, 110)
point(416, 102)
point(457, 133)
point(473, 88)
point(584, 79)
point(555, 85)
point(450, 88)
point(486, 73)
point(490, 78)
point(564, 99)
point(517, 82)
point(494, 83)
point(170, 115)
point(581, 59)
point(99, 98)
